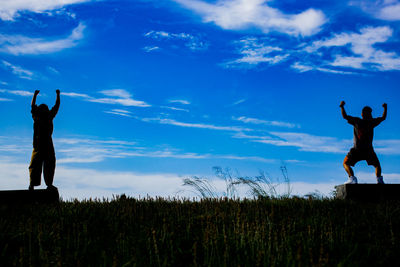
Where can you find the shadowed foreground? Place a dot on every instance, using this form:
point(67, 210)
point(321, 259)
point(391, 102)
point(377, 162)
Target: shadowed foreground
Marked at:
point(207, 233)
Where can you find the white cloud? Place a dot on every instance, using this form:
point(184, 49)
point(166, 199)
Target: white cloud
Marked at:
point(190, 41)
point(195, 125)
point(254, 52)
point(22, 45)
point(365, 55)
point(382, 9)
point(240, 101)
point(265, 122)
point(19, 71)
point(120, 93)
point(20, 92)
point(77, 95)
point(10, 8)
point(120, 112)
point(149, 49)
point(179, 101)
point(387, 147)
point(114, 97)
point(302, 141)
point(174, 108)
point(304, 68)
point(85, 183)
point(5, 99)
point(390, 12)
point(53, 70)
point(246, 14)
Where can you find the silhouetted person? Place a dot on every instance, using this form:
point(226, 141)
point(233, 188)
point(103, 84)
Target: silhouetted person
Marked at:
point(43, 155)
point(363, 136)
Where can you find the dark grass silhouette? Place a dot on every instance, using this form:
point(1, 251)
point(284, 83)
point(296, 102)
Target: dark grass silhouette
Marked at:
point(209, 232)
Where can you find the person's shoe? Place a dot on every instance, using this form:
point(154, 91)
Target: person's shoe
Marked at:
point(379, 180)
point(352, 180)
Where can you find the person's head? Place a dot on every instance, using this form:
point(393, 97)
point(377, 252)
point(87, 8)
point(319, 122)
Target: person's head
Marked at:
point(366, 113)
point(43, 109)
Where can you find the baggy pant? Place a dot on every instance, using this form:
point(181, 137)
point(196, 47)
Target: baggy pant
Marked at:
point(42, 159)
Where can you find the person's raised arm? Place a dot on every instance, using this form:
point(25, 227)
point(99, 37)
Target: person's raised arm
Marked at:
point(344, 114)
point(384, 105)
point(55, 108)
point(34, 98)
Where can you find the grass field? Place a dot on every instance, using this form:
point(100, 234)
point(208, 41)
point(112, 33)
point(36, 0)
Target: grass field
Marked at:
point(213, 232)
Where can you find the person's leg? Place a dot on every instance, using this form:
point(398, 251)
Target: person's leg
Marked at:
point(35, 169)
point(378, 170)
point(349, 161)
point(49, 167)
point(347, 167)
point(374, 161)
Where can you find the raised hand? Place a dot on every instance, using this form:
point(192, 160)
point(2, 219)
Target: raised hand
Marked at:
point(37, 92)
point(58, 91)
point(384, 105)
point(342, 104)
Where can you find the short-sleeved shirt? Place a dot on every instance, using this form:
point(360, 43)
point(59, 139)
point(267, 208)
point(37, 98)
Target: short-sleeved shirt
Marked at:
point(363, 131)
point(43, 127)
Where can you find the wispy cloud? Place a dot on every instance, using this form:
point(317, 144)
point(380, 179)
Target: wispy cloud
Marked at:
point(195, 125)
point(303, 141)
point(113, 96)
point(17, 92)
point(254, 51)
point(304, 68)
point(22, 45)
point(266, 122)
point(18, 70)
point(240, 15)
point(174, 108)
point(387, 147)
point(190, 41)
point(5, 99)
point(149, 49)
point(120, 112)
point(364, 54)
point(240, 101)
point(179, 101)
point(10, 8)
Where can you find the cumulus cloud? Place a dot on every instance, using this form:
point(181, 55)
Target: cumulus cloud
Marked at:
point(18, 70)
point(362, 47)
point(23, 45)
point(9, 9)
point(245, 14)
point(382, 9)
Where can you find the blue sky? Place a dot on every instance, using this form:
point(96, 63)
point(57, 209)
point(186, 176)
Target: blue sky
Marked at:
point(154, 91)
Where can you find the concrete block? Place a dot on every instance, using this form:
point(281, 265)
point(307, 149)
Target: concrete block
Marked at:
point(368, 192)
point(27, 196)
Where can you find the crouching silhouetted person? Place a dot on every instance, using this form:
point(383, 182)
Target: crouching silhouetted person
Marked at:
point(363, 136)
point(43, 155)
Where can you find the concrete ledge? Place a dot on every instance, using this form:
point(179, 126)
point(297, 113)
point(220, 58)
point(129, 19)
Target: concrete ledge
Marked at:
point(26, 196)
point(368, 192)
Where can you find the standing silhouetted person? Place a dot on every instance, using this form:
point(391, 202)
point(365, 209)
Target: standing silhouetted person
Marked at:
point(363, 136)
point(43, 155)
